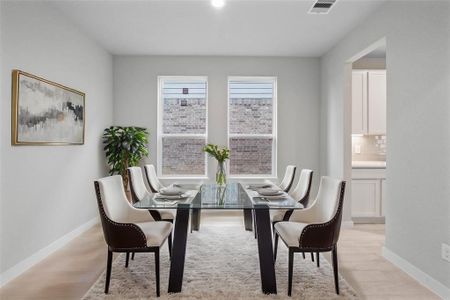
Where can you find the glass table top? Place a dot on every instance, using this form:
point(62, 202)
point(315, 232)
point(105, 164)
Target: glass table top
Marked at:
point(212, 196)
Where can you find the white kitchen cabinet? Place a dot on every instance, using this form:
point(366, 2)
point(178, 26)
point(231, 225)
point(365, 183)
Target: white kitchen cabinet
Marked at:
point(366, 198)
point(369, 102)
point(376, 102)
point(368, 190)
point(359, 102)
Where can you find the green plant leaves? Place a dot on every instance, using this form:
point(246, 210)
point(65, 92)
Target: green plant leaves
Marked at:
point(124, 147)
point(221, 154)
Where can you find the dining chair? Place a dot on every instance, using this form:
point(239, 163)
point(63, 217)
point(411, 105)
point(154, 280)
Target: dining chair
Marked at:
point(315, 229)
point(125, 228)
point(139, 191)
point(300, 193)
point(285, 185)
point(152, 179)
point(156, 186)
point(288, 178)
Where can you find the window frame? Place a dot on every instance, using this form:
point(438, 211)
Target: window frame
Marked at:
point(161, 135)
point(274, 134)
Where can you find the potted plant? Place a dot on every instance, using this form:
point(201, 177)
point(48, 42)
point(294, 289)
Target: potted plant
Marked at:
point(124, 147)
point(220, 154)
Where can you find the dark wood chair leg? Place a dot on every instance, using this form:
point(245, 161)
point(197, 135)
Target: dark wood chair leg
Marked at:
point(127, 259)
point(275, 248)
point(132, 256)
point(254, 225)
point(291, 267)
point(108, 271)
point(303, 253)
point(335, 269)
point(318, 260)
point(312, 256)
point(157, 272)
point(195, 219)
point(169, 243)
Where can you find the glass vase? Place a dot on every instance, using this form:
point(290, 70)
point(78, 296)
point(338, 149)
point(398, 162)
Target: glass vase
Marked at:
point(221, 174)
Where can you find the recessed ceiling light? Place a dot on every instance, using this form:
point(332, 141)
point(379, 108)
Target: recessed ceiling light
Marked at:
point(218, 3)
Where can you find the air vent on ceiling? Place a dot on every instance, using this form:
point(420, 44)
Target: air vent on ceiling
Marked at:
point(322, 6)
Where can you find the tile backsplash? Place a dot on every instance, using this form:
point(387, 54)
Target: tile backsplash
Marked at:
point(371, 147)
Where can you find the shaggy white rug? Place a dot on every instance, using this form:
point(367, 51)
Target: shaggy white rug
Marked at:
point(221, 263)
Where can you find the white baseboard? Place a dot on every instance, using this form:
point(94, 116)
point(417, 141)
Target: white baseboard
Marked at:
point(426, 280)
point(347, 224)
point(30, 261)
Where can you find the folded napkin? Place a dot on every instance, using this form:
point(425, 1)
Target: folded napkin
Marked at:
point(170, 197)
point(269, 191)
point(166, 202)
point(187, 186)
point(171, 191)
point(283, 196)
point(258, 186)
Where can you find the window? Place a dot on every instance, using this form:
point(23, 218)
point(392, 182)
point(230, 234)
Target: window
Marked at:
point(252, 126)
point(182, 126)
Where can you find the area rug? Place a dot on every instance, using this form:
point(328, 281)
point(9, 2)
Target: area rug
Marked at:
point(221, 263)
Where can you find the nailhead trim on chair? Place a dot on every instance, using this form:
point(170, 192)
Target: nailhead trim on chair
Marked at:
point(336, 215)
point(102, 210)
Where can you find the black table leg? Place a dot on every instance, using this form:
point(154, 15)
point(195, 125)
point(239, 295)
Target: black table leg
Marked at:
point(195, 221)
point(265, 249)
point(248, 219)
point(179, 248)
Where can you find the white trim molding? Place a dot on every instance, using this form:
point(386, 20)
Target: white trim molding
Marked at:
point(347, 224)
point(160, 134)
point(32, 260)
point(274, 135)
point(423, 278)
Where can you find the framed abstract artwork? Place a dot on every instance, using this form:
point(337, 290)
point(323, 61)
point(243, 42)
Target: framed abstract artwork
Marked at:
point(45, 112)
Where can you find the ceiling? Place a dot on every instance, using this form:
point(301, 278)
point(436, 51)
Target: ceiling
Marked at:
point(194, 27)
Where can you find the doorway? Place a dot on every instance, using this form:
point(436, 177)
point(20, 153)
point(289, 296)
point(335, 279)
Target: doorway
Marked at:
point(366, 147)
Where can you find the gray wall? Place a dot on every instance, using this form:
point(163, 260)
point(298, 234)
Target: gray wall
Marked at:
point(418, 125)
point(47, 191)
point(135, 98)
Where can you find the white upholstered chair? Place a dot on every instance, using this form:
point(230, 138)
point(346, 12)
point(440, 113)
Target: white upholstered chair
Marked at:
point(300, 193)
point(139, 191)
point(316, 228)
point(125, 228)
point(152, 179)
point(288, 179)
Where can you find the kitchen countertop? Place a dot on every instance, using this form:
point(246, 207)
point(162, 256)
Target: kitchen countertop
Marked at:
point(368, 164)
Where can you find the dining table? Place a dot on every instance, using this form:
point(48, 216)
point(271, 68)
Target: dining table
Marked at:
point(232, 196)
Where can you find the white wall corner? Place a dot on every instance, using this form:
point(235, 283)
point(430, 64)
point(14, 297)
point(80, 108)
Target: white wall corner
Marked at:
point(32, 260)
point(426, 280)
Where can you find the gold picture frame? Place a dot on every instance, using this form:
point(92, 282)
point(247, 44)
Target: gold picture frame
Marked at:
point(44, 112)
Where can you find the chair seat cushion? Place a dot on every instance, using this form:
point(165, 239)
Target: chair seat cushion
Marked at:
point(166, 214)
point(155, 232)
point(277, 215)
point(290, 232)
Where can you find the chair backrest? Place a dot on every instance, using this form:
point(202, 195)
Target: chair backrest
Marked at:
point(152, 179)
point(137, 185)
point(328, 206)
point(115, 210)
point(303, 188)
point(288, 178)
point(112, 199)
point(326, 203)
